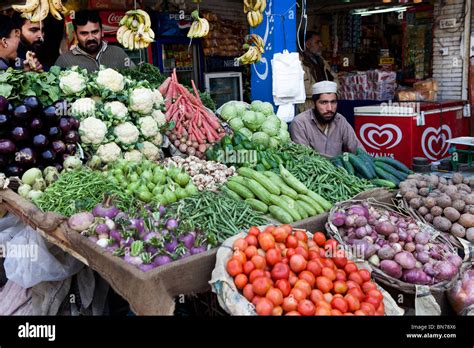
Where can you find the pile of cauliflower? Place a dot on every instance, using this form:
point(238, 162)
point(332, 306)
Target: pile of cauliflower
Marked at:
point(126, 124)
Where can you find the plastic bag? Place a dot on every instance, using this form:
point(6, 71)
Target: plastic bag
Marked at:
point(10, 225)
point(461, 296)
point(31, 260)
point(288, 79)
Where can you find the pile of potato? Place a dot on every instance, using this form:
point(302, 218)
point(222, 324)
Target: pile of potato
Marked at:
point(447, 204)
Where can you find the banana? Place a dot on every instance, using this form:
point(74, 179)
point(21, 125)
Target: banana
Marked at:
point(146, 38)
point(126, 37)
point(205, 25)
point(250, 18)
point(121, 30)
point(151, 33)
point(259, 18)
point(256, 6)
point(146, 18)
point(123, 21)
point(131, 41)
point(246, 9)
point(41, 11)
point(58, 5)
point(54, 12)
point(263, 6)
point(256, 18)
point(29, 6)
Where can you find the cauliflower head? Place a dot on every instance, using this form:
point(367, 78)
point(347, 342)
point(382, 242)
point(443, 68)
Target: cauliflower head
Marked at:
point(158, 98)
point(92, 131)
point(142, 100)
point(157, 140)
point(111, 79)
point(116, 110)
point(83, 107)
point(127, 133)
point(150, 151)
point(148, 126)
point(159, 117)
point(133, 156)
point(109, 152)
point(71, 82)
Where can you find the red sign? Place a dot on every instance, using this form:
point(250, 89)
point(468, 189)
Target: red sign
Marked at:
point(110, 21)
point(112, 4)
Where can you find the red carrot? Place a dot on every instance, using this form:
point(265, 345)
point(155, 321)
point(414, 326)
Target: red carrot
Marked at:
point(165, 86)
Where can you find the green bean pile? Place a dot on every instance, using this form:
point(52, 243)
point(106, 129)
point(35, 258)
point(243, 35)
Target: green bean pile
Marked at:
point(321, 176)
point(81, 190)
point(216, 215)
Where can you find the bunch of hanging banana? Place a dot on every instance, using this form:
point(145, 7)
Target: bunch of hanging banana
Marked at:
point(38, 10)
point(199, 28)
point(254, 10)
point(135, 30)
point(255, 48)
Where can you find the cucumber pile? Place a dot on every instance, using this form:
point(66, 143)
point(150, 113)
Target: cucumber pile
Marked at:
point(381, 171)
point(283, 196)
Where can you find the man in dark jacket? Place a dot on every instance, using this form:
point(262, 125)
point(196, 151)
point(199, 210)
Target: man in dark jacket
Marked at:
point(31, 38)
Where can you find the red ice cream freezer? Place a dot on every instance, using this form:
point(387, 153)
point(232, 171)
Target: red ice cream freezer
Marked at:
point(410, 129)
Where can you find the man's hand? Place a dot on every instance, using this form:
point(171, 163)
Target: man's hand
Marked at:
point(31, 63)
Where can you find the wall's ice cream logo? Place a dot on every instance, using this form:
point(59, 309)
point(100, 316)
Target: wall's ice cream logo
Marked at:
point(433, 142)
point(377, 137)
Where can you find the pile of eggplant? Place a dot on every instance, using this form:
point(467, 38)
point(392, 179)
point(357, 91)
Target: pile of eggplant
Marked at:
point(32, 135)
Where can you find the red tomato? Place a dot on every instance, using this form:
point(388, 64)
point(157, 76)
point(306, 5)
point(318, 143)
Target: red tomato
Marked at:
point(367, 286)
point(259, 262)
point(284, 286)
point(353, 302)
point(350, 267)
point(273, 256)
point(335, 312)
point(340, 287)
point(356, 292)
point(281, 246)
point(251, 240)
point(328, 297)
point(234, 267)
point(324, 284)
point(328, 263)
point(303, 244)
point(268, 275)
point(314, 268)
point(266, 241)
point(291, 242)
point(298, 294)
point(302, 251)
point(321, 311)
point(261, 285)
point(254, 231)
point(316, 295)
point(293, 314)
point(303, 285)
point(313, 254)
point(339, 304)
point(319, 238)
point(355, 277)
point(351, 284)
point(261, 252)
point(376, 294)
point(298, 263)
point(275, 295)
point(280, 271)
point(306, 308)
point(365, 274)
point(332, 243)
point(264, 307)
point(340, 262)
point(381, 309)
point(329, 273)
point(240, 244)
point(322, 253)
point(248, 292)
point(256, 299)
point(290, 252)
point(308, 276)
point(368, 308)
point(255, 274)
point(280, 234)
point(323, 304)
point(341, 275)
point(373, 300)
point(360, 313)
point(289, 304)
point(300, 235)
point(287, 228)
point(293, 278)
point(285, 260)
point(240, 255)
point(312, 244)
point(251, 251)
point(277, 311)
point(349, 314)
point(240, 281)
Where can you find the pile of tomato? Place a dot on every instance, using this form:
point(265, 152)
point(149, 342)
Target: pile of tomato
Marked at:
point(283, 272)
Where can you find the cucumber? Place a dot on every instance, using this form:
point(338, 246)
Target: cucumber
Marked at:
point(231, 193)
point(290, 209)
point(284, 188)
point(384, 183)
point(382, 174)
point(291, 181)
point(280, 214)
point(360, 166)
point(394, 163)
point(258, 190)
point(320, 200)
point(391, 170)
point(309, 209)
point(257, 205)
point(319, 209)
point(367, 159)
point(292, 204)
point(348, 166)
point(260, 178)
point(337, 162)
point(237, 179)
point(304, 214)
point(241, 190)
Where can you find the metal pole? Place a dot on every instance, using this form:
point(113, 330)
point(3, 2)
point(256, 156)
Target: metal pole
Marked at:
point(466, 49)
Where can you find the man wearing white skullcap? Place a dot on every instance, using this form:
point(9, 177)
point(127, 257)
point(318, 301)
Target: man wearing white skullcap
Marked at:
point(322, 128)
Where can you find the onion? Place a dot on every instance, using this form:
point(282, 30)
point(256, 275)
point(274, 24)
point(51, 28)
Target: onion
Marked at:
point(189, 143)
point(374, 260)
point(385, 228)
point(396, 247)
point(455, 260)
point(405, 259)
point(386, 252)
point(423, 257)
point(361, 232)
point(191, 151)
point(359, 210)
point(182, 148)
point(402, 235)
point(360, 221)
point(393, 238)
point(422, 237)
point(350, 220)
point(183, 140)
point(173, 137)
point(176, 143)
point(195, 144)
point(445, 270)
point(410, 247)
point(402, 224)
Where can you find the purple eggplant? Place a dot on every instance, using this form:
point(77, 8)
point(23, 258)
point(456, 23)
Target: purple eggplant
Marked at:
point(14, 170)
point(40, 140)
point(10, 109)
point(4, 161)
point(7, 146)
point(25, 156)
point(36, 124)
point(74, 122)
point(71, 149)
point(71, 137)
point(58, 146)
point(48, 155)
point(51, 115)
point(54, 133)
point(64, 124)
point(3, 104)
point(19, 134)
point(21, 114)
point(4, 121)
point(33, 103)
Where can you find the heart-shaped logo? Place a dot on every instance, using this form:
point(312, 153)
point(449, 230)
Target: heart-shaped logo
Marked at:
point(378, 137)
point(433, 142)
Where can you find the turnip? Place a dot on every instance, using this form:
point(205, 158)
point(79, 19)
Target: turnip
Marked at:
point(391, 268)
point(350, 220)
point(188, 239)
point(338, 219)
point(162, 260)
point(361, 232)
point(81, 221)
point(405, 259)
point(359, 210)
point(198, 250)
point(360, 221)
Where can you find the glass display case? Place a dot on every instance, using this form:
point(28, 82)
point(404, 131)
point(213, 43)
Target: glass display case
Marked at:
point(224, 86)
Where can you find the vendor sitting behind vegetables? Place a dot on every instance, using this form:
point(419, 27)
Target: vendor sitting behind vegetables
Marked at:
point(322, 128)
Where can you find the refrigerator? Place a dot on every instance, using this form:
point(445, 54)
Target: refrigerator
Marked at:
point(224, 86)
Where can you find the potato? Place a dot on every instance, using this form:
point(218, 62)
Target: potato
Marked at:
point(416, 203)
point(458, 231)
point(405, 189)
point(442, 180)
point(463, 187)
point(436, 211)
point(423, 210)
point(416, 177)
point(457, 178)
point(430, 202)
point(470, 234)
point(434, 194)
point(456, 196)
point(459, 205)
point(433, 180)
point(428, 218)
point(424, 192)
point(450, 190)
point(410, 195)
point(471, 209)
point(469, 199)
point(466, 181)
point(467, 207)
point(442, 224)
point(471, 182)
point(451, 214)
point(466, 220)
point(444, 201)
point(422, 184)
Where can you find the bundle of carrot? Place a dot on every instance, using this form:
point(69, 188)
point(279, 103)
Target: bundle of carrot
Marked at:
point(195, 128)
